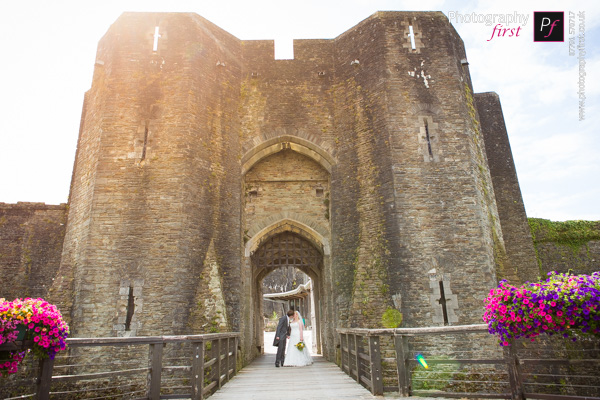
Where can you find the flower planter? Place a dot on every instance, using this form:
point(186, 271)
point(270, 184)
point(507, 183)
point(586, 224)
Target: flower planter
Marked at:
point(564, 304)
point(29, 325)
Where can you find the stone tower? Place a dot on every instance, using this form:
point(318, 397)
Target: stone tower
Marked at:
point(203, 164)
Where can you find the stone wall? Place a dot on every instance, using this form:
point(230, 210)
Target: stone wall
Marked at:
point(31, 241)
point(570, 246)
point(286, 182)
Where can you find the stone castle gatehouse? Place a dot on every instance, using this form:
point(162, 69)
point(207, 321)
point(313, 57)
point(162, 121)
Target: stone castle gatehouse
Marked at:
point(203, 164)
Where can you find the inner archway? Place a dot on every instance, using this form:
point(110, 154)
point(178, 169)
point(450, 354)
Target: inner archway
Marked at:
point(283, 250)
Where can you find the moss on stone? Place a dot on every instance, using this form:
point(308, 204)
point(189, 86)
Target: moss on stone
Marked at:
point(499, 254)
point(572, 234)
point(391, 318)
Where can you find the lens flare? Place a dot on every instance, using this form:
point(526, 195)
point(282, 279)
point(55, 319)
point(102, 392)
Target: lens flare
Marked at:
point(421, 361)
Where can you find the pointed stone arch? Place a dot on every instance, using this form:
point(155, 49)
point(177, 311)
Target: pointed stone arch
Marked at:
point(287, 142)
point(308, 228)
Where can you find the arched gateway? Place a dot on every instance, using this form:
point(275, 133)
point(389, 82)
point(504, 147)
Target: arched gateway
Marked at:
point(287, 185)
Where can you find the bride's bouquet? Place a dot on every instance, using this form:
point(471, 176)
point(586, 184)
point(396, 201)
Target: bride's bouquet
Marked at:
point(300, 346)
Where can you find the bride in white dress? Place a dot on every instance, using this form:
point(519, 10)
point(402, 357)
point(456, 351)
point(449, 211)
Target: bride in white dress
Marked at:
point(295, 357)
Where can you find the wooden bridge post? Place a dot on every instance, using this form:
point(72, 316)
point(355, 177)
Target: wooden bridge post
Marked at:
point(375, 361)
point(228, 363)
point(156, 353)
point(197, 370)
point(235, 354)
point(344, 350)
point(514, 372)
point(401, 346)
point(357, 356)
point(218, 353)
point(228, 360)
point(44, 379)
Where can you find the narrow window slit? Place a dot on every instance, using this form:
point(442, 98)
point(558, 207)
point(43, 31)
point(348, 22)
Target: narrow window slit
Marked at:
point(428, 139)
point(130, 309)
point(145, 142)
point(443, 303)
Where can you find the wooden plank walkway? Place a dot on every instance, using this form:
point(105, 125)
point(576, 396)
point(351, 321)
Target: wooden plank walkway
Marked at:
point(323, 380)
point(261, 380)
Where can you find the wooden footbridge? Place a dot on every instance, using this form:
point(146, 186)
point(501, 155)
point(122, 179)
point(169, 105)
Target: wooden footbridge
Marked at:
point(381, 360)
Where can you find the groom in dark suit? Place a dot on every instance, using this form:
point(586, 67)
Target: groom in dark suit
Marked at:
point(282, 334)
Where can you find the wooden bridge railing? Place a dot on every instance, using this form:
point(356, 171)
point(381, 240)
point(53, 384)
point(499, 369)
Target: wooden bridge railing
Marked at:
point(190, 367)
point(367, 354)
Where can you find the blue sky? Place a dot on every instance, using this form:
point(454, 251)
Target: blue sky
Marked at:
point(49, 51)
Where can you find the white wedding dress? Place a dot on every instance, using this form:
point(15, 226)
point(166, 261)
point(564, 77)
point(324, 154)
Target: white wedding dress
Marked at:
point(295, 357)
